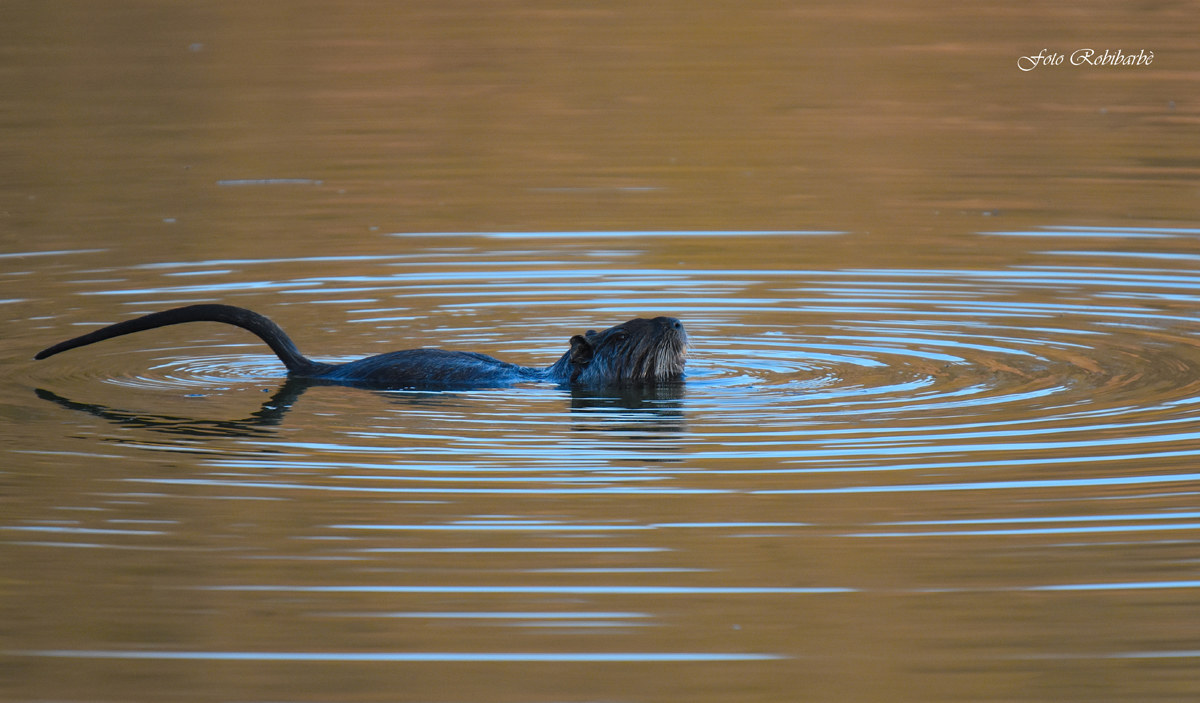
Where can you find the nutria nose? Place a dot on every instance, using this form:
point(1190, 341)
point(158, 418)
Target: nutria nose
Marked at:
point(669, 322)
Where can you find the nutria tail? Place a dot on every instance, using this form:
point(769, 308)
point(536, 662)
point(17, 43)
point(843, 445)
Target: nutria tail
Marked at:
point(266, 330)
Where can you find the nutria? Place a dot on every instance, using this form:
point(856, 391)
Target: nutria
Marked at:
point(638, 352)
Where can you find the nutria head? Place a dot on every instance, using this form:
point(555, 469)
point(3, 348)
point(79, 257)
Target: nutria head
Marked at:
point(637, 352)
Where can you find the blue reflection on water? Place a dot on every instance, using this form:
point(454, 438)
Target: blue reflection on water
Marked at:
point(515, 550)
point(486, 490)
point(1098, 232)
point(401, 656)
point(499, 615)
point(1034, 531)
point(994, 485)
point(622, 234)
point(573, 590)
point(1115, 586)
point(1055, 518)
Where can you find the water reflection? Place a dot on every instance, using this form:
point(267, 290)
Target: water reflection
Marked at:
point(256, 425)
point(845, 436)
point(640, 413)
point(519, 657)
point(934, 349)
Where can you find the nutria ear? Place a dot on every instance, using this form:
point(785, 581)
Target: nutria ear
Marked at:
point(581, 350)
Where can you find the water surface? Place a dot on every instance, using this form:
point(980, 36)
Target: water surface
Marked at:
point(938, 437)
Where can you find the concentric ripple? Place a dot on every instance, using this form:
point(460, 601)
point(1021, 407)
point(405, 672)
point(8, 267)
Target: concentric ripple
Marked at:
point(851, 445)
point(189, 370)
point(202, 372)
point(1072, 354)
point(964, 368)
point(911, 353)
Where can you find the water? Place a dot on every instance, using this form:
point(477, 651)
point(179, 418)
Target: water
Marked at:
point(937, 441)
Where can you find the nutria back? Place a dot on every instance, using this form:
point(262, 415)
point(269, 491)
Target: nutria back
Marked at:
point(637, 352)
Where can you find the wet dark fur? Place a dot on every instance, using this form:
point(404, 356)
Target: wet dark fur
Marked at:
point(638, 352)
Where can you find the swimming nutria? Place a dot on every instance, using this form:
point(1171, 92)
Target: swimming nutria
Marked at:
point(638, 352)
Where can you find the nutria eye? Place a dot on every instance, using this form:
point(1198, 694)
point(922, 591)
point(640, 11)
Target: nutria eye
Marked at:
point(620, 336)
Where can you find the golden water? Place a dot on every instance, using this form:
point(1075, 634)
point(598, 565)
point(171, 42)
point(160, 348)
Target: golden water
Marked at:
point(938, 439)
